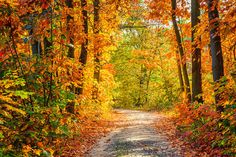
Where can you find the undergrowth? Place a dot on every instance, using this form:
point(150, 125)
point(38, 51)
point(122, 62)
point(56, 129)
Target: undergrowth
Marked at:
point(209, 129)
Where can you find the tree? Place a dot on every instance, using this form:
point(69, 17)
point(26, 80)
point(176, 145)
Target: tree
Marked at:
point(196, 54)
point(71, 51)
point(215, 46)
point(84, 46)
point(97, 53)
point(181, 51)
point(181, 81)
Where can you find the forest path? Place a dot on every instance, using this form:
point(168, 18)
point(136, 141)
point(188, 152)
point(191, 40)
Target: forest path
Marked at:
point(137, 137)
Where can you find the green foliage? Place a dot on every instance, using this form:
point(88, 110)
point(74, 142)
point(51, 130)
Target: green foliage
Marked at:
point(144, 72)
point(24, 118)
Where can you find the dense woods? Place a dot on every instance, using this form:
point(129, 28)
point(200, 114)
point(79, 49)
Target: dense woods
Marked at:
point(63, 62)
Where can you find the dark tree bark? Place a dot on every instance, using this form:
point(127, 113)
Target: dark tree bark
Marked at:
point(97, 53)
point(181, 51)
point(96, 4)
point(48, 50)
point(71, 51)
point(142, 80)
point(196, 54)
point(215, 45)
point(84, 46)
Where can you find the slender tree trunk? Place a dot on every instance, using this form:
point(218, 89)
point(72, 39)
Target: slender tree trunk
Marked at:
point(181, 81)
point(71, 52)
point(97, 53)
point(84, 46)
point(196, 54)
point(48, 50)
point(147, 85)
point(215, 45)
point(142, 78)
point(181, 52)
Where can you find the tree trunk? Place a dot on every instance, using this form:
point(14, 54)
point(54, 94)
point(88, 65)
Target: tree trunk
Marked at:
point(142, 78)
point(48, 50)
point(70, 107)
point(196, 54)
point(71, 51)
point(215, 45)
point(84, 46)
point(181, 81)
point(181, 52)
point(97, 53)
point(147, 86)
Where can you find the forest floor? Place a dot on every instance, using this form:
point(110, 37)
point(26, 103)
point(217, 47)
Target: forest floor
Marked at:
point(142, 134)
point(129, 133)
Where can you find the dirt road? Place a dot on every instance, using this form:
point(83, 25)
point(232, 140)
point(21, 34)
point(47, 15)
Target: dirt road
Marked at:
point(136, 138)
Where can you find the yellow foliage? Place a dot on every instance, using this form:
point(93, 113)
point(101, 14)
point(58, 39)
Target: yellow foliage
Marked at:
point(26, 149)
point(37, 151)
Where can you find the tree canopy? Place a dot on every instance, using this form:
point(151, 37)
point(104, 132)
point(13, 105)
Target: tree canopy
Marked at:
point(65, 61)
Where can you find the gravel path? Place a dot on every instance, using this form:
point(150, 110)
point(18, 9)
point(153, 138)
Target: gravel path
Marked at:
point(136, 139)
